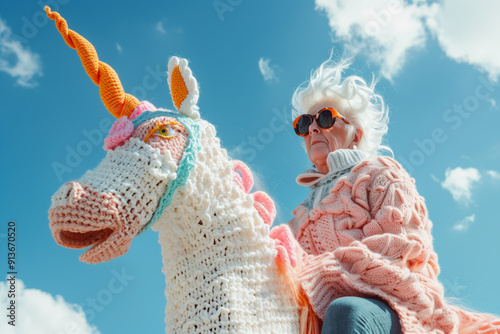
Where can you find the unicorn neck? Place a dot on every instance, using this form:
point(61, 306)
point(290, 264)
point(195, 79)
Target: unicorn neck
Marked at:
point(218, 260)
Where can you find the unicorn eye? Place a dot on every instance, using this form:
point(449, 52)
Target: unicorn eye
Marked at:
point(166, 132)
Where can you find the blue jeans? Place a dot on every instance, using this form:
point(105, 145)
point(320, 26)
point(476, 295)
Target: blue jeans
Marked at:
point(353, 315)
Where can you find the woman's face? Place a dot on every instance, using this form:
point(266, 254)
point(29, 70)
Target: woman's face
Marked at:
point(320, 142)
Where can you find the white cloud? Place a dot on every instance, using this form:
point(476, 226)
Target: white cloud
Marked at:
point(463, 224)
point(385, 30)
point(466, 31)
point(167, 30)
point(493, 174)
point(38, 312)
point(160, 28)
point(119, 48)
point(267, 71)
point(459, 182)
point(16, 60)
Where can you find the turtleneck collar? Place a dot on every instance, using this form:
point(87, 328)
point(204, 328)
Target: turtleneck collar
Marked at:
point(337, 161)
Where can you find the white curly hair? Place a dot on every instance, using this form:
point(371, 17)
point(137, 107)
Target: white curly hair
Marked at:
point(353, 98)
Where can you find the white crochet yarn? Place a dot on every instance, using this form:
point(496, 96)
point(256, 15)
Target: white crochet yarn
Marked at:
point(134, 171)
point(218, 260)
point(189, 106)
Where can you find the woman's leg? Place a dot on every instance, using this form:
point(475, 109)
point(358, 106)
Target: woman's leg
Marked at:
point(353, 315)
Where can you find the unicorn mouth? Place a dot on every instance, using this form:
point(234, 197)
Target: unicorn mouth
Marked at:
point(82, 234)
point(78, 237)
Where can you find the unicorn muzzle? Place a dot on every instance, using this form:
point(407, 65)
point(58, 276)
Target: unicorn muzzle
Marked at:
point(81, 216)
point(108, 206)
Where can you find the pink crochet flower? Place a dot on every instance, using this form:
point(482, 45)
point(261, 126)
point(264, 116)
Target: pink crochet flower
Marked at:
point(123, 127)
point(120, 131)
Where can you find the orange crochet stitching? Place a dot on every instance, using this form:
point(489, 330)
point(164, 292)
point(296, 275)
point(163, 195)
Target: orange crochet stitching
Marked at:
point(115, 99)
point(178, 87)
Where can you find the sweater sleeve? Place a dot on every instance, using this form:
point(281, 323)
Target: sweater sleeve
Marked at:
point(394, 260)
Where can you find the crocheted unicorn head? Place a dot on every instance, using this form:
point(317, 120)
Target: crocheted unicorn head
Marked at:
point(150, 154)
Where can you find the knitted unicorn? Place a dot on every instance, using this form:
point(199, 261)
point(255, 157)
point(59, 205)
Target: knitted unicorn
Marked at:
point(166, 170)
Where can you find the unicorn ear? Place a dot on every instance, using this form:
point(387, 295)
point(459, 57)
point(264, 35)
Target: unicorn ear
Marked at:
point(183, 87)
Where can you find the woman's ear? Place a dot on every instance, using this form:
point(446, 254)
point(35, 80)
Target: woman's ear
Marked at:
point(357, 137)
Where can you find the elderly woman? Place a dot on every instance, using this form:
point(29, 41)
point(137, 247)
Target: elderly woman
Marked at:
point(363, 234)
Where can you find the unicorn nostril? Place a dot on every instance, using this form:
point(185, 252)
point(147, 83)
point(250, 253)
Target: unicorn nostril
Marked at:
point(75, 192)
point(60, 198)
point(71, 189)
point(67, 194)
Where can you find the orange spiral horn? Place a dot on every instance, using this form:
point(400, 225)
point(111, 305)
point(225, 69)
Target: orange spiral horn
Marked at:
point(115, 99)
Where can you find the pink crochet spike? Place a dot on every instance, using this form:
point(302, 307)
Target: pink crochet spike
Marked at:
point(245, 181)
point(284, 239)
point(265, 206)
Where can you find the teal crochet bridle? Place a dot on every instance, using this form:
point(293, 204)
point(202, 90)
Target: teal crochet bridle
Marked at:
point(187, 162)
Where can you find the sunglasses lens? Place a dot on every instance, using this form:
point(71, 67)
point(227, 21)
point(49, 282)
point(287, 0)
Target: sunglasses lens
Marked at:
point(303, 124)
point(325, 119)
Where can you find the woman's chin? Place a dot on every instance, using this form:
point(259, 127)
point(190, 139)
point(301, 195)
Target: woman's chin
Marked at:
point(318, 157)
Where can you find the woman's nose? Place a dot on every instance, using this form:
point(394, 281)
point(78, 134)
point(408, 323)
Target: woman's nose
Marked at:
point(314, 128)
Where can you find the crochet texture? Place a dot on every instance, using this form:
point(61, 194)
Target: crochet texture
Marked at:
point(371, 237)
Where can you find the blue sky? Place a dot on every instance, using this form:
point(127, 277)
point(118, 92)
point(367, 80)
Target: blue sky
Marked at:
point(438, 66)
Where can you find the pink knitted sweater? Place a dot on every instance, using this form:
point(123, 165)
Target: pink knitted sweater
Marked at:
point(371, 236)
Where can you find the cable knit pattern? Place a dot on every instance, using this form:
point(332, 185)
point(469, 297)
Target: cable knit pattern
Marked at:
point(371, 236)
